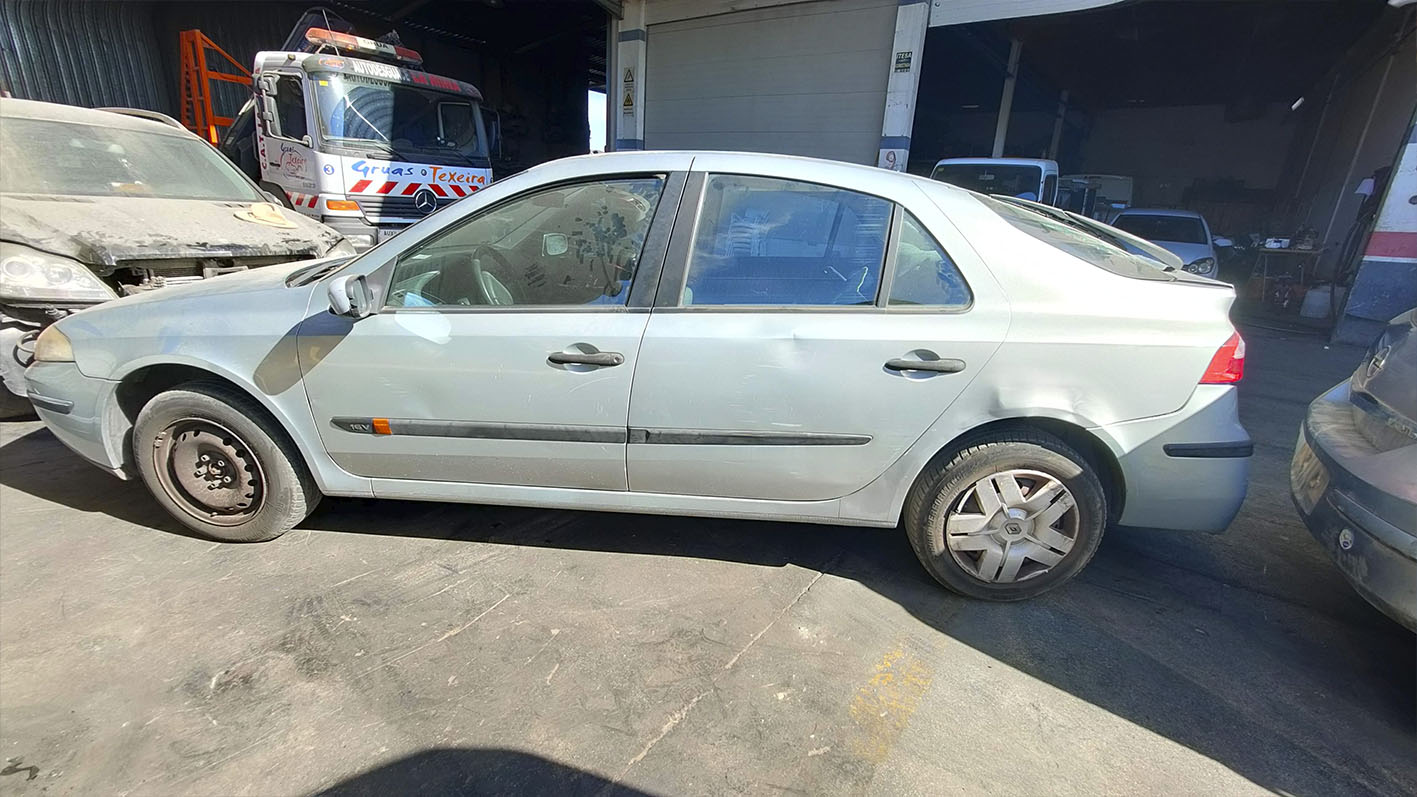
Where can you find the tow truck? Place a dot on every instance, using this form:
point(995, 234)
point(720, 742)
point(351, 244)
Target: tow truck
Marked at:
point(349, 131)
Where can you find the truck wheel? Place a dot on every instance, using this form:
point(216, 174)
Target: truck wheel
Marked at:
point(1007, 517)
point(211, 457)
point(278, 193)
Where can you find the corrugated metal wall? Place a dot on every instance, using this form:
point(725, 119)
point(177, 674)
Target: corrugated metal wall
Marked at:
point(84, 53)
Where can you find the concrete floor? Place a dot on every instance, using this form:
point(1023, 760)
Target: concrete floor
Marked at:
point(387, 647)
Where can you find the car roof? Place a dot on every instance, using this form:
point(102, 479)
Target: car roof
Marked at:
point(831, 171)
point(1042, 162)
point(1185, 214)
point(12, 108)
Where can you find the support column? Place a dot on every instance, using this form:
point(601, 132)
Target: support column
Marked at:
point(1386, 282)
point(912, 18)
point(612, 61)
point(1006, 102)
point(627, 101)
point(1058, 125)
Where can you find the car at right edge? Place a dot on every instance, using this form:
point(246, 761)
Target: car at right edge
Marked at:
point(1354, 473)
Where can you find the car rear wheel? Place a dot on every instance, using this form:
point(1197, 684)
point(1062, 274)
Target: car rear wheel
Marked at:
point(213, 459)
point(1007, 517)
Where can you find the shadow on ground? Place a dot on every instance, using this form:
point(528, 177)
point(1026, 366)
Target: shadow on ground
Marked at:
point(475, 771)
point(1313, 694)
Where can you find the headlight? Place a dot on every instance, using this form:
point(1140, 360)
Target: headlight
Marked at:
point(342, 249)
point(52, 346)
point(1203, 266)
point(29, 275)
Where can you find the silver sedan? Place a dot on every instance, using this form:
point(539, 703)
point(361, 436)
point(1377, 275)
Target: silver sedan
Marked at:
point(716, 334)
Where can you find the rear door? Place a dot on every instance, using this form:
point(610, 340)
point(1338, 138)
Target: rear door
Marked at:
point(804, 336)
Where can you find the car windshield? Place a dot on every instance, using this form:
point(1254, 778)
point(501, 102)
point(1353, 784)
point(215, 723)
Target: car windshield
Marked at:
point(1177, 229)
point(63, 158)
point(413, 123)
point(1085, 246)
point(989, 178)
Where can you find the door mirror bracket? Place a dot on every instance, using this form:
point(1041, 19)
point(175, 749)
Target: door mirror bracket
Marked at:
point(350, 296)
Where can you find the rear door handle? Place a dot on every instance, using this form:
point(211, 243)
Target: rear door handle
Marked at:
point(602, 358)
point(938, 366)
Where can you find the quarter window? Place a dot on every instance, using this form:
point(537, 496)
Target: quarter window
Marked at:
point(923, 273)
point(571, 245)
point(765, 241)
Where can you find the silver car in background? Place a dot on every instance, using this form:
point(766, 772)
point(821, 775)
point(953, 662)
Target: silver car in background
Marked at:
point(1183, 233)
point(715, 334)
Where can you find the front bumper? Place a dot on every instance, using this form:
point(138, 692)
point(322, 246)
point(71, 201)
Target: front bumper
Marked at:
point(1360, 504)
point(76, 408)
point(360, 232)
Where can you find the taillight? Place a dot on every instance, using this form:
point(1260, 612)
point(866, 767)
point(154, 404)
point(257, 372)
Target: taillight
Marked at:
point(1228, 364)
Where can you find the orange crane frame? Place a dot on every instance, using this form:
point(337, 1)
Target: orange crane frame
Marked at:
point(197, 113)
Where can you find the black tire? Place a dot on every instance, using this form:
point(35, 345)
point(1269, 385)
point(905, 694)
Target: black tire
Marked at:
point(948, 482)
point(13, 407)
point(253, 467)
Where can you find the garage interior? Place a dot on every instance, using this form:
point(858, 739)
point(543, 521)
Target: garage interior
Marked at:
point(1264, 117)
point(532, 62)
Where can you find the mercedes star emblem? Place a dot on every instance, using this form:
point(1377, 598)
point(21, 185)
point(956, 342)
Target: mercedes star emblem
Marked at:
point(425, 201)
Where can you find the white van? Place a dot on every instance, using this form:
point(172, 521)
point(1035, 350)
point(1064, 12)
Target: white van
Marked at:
point(1034, 179)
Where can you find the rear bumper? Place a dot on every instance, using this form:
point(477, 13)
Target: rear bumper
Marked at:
point(1186, 471)
point(73, 406)
point(1355, 503)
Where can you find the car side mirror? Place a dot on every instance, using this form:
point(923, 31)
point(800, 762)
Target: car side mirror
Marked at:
point(554, 244)
point(1221, 240)
point(349, 296)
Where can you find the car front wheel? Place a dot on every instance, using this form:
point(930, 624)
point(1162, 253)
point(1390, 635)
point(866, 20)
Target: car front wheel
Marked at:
point(1007, 517)
point(213, 459)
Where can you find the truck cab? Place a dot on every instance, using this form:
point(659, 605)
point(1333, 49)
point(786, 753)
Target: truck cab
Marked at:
point(366, 146)
point(1034, 179)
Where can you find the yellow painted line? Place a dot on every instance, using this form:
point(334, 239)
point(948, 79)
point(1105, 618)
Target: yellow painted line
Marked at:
point(883, 706)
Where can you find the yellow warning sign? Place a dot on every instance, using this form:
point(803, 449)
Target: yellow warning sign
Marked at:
point(629, 75)
point(629, 104)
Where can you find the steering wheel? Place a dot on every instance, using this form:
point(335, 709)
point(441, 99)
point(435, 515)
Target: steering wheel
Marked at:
point(487, 285)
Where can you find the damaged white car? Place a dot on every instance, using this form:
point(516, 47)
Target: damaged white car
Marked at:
point(101, 204)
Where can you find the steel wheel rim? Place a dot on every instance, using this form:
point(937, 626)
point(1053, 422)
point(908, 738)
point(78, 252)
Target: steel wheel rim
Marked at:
point(1011, 526)
point(209, 471)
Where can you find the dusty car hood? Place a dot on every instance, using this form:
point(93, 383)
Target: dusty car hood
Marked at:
point(101, 231)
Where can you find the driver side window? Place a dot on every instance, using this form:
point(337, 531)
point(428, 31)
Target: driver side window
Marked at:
point(571, 245)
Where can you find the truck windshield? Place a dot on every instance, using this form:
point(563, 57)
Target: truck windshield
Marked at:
point(989, 178)
point(410, 122)
point(62, 158)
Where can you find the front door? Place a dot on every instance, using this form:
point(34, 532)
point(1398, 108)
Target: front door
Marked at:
point(505, 349)
point(816, 334)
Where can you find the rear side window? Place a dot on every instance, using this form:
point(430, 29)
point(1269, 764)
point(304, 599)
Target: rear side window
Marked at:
point(1077, 243)
point(923, 273)
point(765, 241)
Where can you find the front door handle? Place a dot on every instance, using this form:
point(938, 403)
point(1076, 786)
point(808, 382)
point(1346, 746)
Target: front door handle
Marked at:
point(601, 358)
point(938, 366)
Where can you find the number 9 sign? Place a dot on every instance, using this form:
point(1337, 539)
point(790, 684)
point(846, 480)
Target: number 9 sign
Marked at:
point(893, 159)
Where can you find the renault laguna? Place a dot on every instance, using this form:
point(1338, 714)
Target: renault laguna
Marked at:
point(711, 334)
